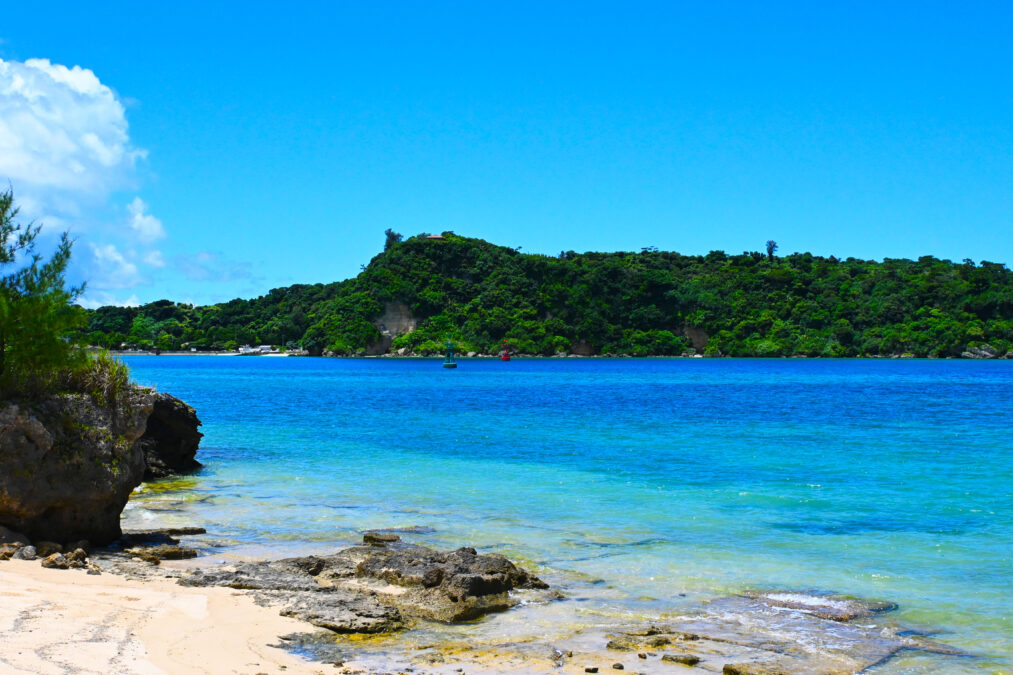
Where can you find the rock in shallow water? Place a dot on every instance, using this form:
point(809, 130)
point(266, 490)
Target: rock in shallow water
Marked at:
point(163, 552)
point(823, 605)
point(753, 669)
point(377, 538)
point(372, 589)
point(780, 632)
point(170, 438)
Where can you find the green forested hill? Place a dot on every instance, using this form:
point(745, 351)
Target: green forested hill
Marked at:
point(645, 303)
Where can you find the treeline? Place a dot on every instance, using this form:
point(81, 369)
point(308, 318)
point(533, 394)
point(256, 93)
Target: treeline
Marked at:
point(648, 303)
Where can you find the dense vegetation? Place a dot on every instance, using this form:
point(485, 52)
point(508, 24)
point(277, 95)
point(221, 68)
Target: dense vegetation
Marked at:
point(38, 318)
point(478, 294)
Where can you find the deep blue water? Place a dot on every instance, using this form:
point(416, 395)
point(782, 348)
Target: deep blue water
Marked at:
point(884, 478)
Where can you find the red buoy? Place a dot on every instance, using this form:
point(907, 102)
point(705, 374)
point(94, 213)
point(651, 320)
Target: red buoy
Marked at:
point(506, 355)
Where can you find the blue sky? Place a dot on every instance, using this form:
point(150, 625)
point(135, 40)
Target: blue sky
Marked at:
point(201, 154)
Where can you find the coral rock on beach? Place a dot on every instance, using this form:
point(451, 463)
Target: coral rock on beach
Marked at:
point(56, 561)
point(24, 553)
point(377, 588)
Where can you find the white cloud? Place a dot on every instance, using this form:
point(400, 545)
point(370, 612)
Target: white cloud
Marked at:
point(61, 128)
point(104, 298)
point(111, 269)
point(147, 227)
point(65, 147)
point(155, 259)
point(212, 266)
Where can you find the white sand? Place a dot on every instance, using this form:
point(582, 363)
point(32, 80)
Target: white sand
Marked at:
point(66, 621)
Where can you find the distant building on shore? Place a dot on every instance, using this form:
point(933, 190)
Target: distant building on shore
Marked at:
point(247, 350)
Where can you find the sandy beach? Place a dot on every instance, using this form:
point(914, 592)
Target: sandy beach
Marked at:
point(66, 621)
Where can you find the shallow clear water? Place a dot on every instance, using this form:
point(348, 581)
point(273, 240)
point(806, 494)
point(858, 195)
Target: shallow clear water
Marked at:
point(673, 480)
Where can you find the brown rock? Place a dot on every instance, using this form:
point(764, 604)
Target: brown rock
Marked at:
point(681, 659)
point(77, 555)
point(753, 669)
point(179, 531)
point(164, 552)
point(56, 561)
point(44, 549)
point(379, 538)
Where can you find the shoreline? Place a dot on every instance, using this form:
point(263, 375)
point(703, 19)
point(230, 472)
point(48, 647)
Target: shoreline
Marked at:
point(140, 618)
point(486, 357)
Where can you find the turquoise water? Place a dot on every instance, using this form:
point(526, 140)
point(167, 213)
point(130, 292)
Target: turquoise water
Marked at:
point(657, 482)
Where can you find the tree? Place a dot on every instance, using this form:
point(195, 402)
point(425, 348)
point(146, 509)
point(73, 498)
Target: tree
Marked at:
point(37, 314)
point(392, 238)
point(771, 248)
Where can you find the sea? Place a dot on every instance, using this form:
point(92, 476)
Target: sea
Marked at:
point(641, 487)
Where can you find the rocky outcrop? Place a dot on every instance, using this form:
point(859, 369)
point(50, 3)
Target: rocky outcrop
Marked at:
point(379, 587)
point(170, 439)
point(68, 464)
point(396, 320)
point(985, 351)
point(697, 337)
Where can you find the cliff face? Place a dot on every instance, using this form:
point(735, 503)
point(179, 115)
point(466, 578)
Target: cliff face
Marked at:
point(68, 464)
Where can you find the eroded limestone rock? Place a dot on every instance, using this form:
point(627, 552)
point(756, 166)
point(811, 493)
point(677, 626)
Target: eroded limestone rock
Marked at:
point(377, 588)
point(68, 464)
point(170, 438)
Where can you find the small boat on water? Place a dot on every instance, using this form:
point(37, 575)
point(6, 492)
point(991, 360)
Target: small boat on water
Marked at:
point(449, 362)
